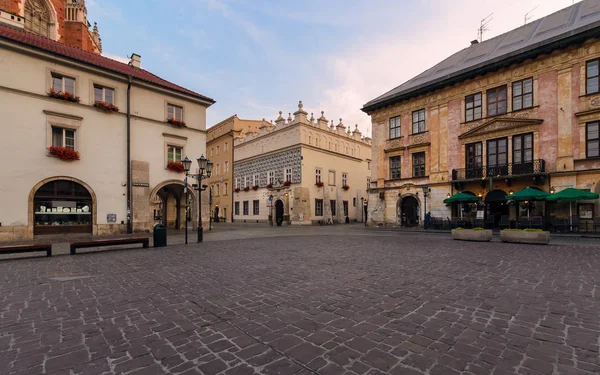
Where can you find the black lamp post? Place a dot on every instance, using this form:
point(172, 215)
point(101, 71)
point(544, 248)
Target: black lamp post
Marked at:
point(425, 193)
point(205, 167)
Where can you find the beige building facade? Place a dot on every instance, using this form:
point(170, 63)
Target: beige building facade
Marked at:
point(519, 110)
point(301, 171)
point(91, 145)
point(220, 150)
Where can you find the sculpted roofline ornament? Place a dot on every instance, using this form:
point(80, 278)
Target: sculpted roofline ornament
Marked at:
point(499, 124)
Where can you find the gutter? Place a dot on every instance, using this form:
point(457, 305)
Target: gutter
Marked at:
point(129, 205)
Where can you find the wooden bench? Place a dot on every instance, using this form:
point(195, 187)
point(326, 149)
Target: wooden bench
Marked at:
point(145, 241)
point(14, 249)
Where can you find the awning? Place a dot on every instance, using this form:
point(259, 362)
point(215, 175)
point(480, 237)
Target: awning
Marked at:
point(528, 194)
point(462, 197)
point(495, 196)
point(572, 194)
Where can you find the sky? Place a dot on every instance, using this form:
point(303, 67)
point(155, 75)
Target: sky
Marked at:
point(259, 57)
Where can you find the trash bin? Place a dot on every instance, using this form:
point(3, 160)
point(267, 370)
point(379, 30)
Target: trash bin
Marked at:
point(160, 235)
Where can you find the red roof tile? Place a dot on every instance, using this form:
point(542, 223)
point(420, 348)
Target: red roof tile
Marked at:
point(57, 48)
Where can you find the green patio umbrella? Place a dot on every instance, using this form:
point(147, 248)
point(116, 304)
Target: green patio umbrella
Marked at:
point(570, 195)
point(528, 194)
point(462, 197)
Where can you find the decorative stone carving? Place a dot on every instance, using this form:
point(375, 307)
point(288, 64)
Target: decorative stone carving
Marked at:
point(418, 139)
point(497, 125)
point(276, 163)
point(595, 102)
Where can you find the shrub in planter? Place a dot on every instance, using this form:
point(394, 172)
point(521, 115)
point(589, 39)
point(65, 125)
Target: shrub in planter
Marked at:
point(269, 186)
point(287, 183)
point(247, 188)
point(531, 236)
point(476, 234)
point(63, 95)
point(346, 187)
point(255, 187)
point(175, 122)
point(106, 107)
point(237, 190)
point(175, 166)
point(319, 184)
point(63, 153)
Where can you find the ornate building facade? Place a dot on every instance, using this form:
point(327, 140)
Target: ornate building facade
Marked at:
point(300, 171)
point(63, 21)
point(519, 110)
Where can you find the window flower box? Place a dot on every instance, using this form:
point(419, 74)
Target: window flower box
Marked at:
point(237, 190)
point(63, 153)
point(346, 187)
point(247, 188)
point(63, 95)
point(255, 187)
point(530, 236)
point(269, 186)
point(319, 183)
point(106, 107)
point(479, 235)
point(175, 166)
point(287, 183)
point(179, 123)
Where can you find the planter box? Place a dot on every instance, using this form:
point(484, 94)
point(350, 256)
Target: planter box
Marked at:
point(542, 238)
point(472, 235)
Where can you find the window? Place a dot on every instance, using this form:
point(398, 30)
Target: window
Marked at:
point(237, 183)
point(592, 75)
point(331, 180)
point(395, 167)
point(288, 174)
point(226, 167)
point(317, 175)
point(236, 208)
point(522, 94)
point(37, 18)
point(418, 164)
point(368, 183)
point(226, 146)
point(309, 140)
point(218, 150)
point(522, 148)
point(473, 107)
point(246, 181)
point(369, 165)
point(474, 160)
point(246, 208)
point(63, 83)
point(318, 207)
point(592, 146)
point(496, 101)
point(344, 179)
point(63, 137)
point(418, 121)
point(354, 202)
point(218, 169)
point(104, 94)
point(212, 151)
point(497, 159)
point(271, 177)
point(255, 180)
point(218, 190)
point(395, 127)
point(226, 188)
point(345, 205)
point(255, 206)
point(175, 112)
point(333, 205)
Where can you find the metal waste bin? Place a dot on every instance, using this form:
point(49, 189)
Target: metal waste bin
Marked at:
point(160, 235)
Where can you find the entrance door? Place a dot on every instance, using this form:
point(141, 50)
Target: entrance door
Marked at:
point(409, 211)
point(279, 212)
point(216, 218)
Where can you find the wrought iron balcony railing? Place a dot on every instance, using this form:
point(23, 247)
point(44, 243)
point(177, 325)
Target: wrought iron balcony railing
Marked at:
point(506, 170)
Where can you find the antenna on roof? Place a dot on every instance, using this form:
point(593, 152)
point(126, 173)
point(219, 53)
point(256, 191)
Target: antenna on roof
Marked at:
point(527, 15)
point(484, 26)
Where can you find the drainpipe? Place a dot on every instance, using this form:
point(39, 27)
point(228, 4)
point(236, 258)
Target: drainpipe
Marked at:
point(129, 205)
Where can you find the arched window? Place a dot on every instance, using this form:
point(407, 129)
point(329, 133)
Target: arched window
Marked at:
point(62, 206)
point(37, 17)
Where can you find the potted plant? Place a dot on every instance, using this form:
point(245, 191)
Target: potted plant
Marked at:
point(346, 187)
point(106, 107)
point(319, 183)
point(269, 186)
point(175, 166)
point(237, 190)
point(63, 153)
point(476, 234)
point(63, 95)
point(532, 236)
point(247, 188)
point(179, 123)
point(255, 187)
point(287, 183)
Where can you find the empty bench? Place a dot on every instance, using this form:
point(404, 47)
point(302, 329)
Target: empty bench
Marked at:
point(145, 241)
point(14, 249)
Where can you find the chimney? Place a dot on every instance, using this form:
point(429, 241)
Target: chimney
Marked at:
point(475, 41)
point(135, 60)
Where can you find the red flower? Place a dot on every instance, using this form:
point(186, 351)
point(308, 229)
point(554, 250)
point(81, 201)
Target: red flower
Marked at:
point(247, 188)
point(269, 186)
point(176, 122)
point(237, 190)
point(63, 153)
point(319, 184)
point(287, 183)
point(346, 187)
point(175, 166)
point(107, 107)
point(255, 187)
point(63, 95)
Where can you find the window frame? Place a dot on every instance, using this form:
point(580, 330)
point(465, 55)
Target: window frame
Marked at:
point(595, 77)
point(419, 122)
point(174, 148)
point(63, 138)
point(245, 208)
point(331, 178)
point(287, 172)
point(395, 166)
point(522, 95)
point(523, 149)
point(175, 107)
point(333, 206)
point(421, 166)
point(63, 77)
point(236, 208)
point(395, 127)
point(256, 179)
point(497, 141)
point(588, 140)
point(104, 90)
point(318, 207)
point(344, 179)
point(271, 177)
point(318, 176)
point(497, 101)
point(255, 207)
point(473, 100)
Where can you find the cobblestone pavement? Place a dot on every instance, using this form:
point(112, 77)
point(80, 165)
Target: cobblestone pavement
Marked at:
point(333, 301)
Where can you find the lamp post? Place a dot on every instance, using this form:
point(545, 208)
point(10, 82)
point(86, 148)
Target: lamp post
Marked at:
point(204, 171)
point(425, 193)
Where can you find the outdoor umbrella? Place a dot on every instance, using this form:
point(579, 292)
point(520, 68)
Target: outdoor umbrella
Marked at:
point(570, 195)
point(528, 194)
point(462, 197)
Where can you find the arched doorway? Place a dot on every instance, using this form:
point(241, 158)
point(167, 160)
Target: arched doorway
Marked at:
point(496, 206)
point(62, 207)
point(279, 212)
point(409, 211)
point(169, 206)
point(216, 215)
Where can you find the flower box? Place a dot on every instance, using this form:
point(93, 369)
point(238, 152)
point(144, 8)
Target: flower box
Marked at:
point(247, 188)
point(319, 183)
point(63, 95)
point(287, 183)
point(106, 107)
point(525, 236)
point(237, 190)
point(175, 122)
point(269, 186)
point(346, 187)
point(63, 153)
point(479, 235)
point(175, 166)
point(255, 187)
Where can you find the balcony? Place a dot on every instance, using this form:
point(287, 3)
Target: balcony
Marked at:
point(507, 170)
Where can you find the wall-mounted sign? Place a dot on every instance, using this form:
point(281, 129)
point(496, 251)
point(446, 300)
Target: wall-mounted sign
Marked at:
point(140, 184)
point(111, 218)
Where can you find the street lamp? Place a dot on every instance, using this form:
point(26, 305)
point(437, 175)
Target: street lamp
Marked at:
point(205, 167)
point(425, 193)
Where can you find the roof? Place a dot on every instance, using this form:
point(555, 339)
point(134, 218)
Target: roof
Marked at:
point(567, 26)
point(48, 45)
